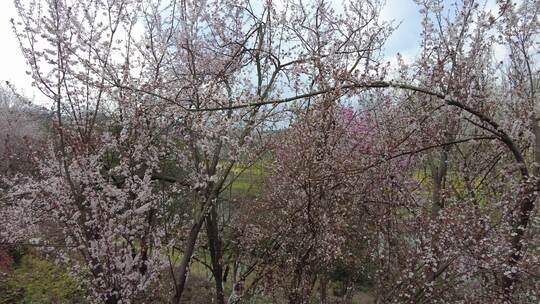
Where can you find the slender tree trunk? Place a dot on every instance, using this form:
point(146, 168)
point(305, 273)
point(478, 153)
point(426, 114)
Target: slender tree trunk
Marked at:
point(518, 230)
point(186, 259)
point(112, 299)
point(529, 196)
point(349, 292)
point(438, 172)
point(214, 241)
point(324, 289)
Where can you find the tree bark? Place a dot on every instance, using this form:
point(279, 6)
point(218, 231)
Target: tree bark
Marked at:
point(324, 289)
point(112, 298)
point(214, 242)
point(186, 259)
point(438, 172)
point(526, 205)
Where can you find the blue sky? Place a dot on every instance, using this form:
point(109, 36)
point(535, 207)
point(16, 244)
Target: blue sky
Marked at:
point(406, 38)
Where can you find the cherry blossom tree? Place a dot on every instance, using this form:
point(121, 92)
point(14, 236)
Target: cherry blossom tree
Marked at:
point(430, 178)
point(94, 187)
point(475, 236)
point(173, 72)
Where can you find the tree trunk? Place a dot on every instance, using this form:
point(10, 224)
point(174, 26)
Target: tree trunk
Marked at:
point(349, 292)
point(526, 204)
point(214, 242)
point(438, 172)
point(112, 299)
point(518, 230)
point(186, 259)
point(324, 289)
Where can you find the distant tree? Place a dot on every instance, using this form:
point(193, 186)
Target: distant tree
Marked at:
point(22, 131)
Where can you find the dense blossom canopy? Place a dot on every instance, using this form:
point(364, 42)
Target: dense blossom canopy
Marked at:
point(270, 144)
